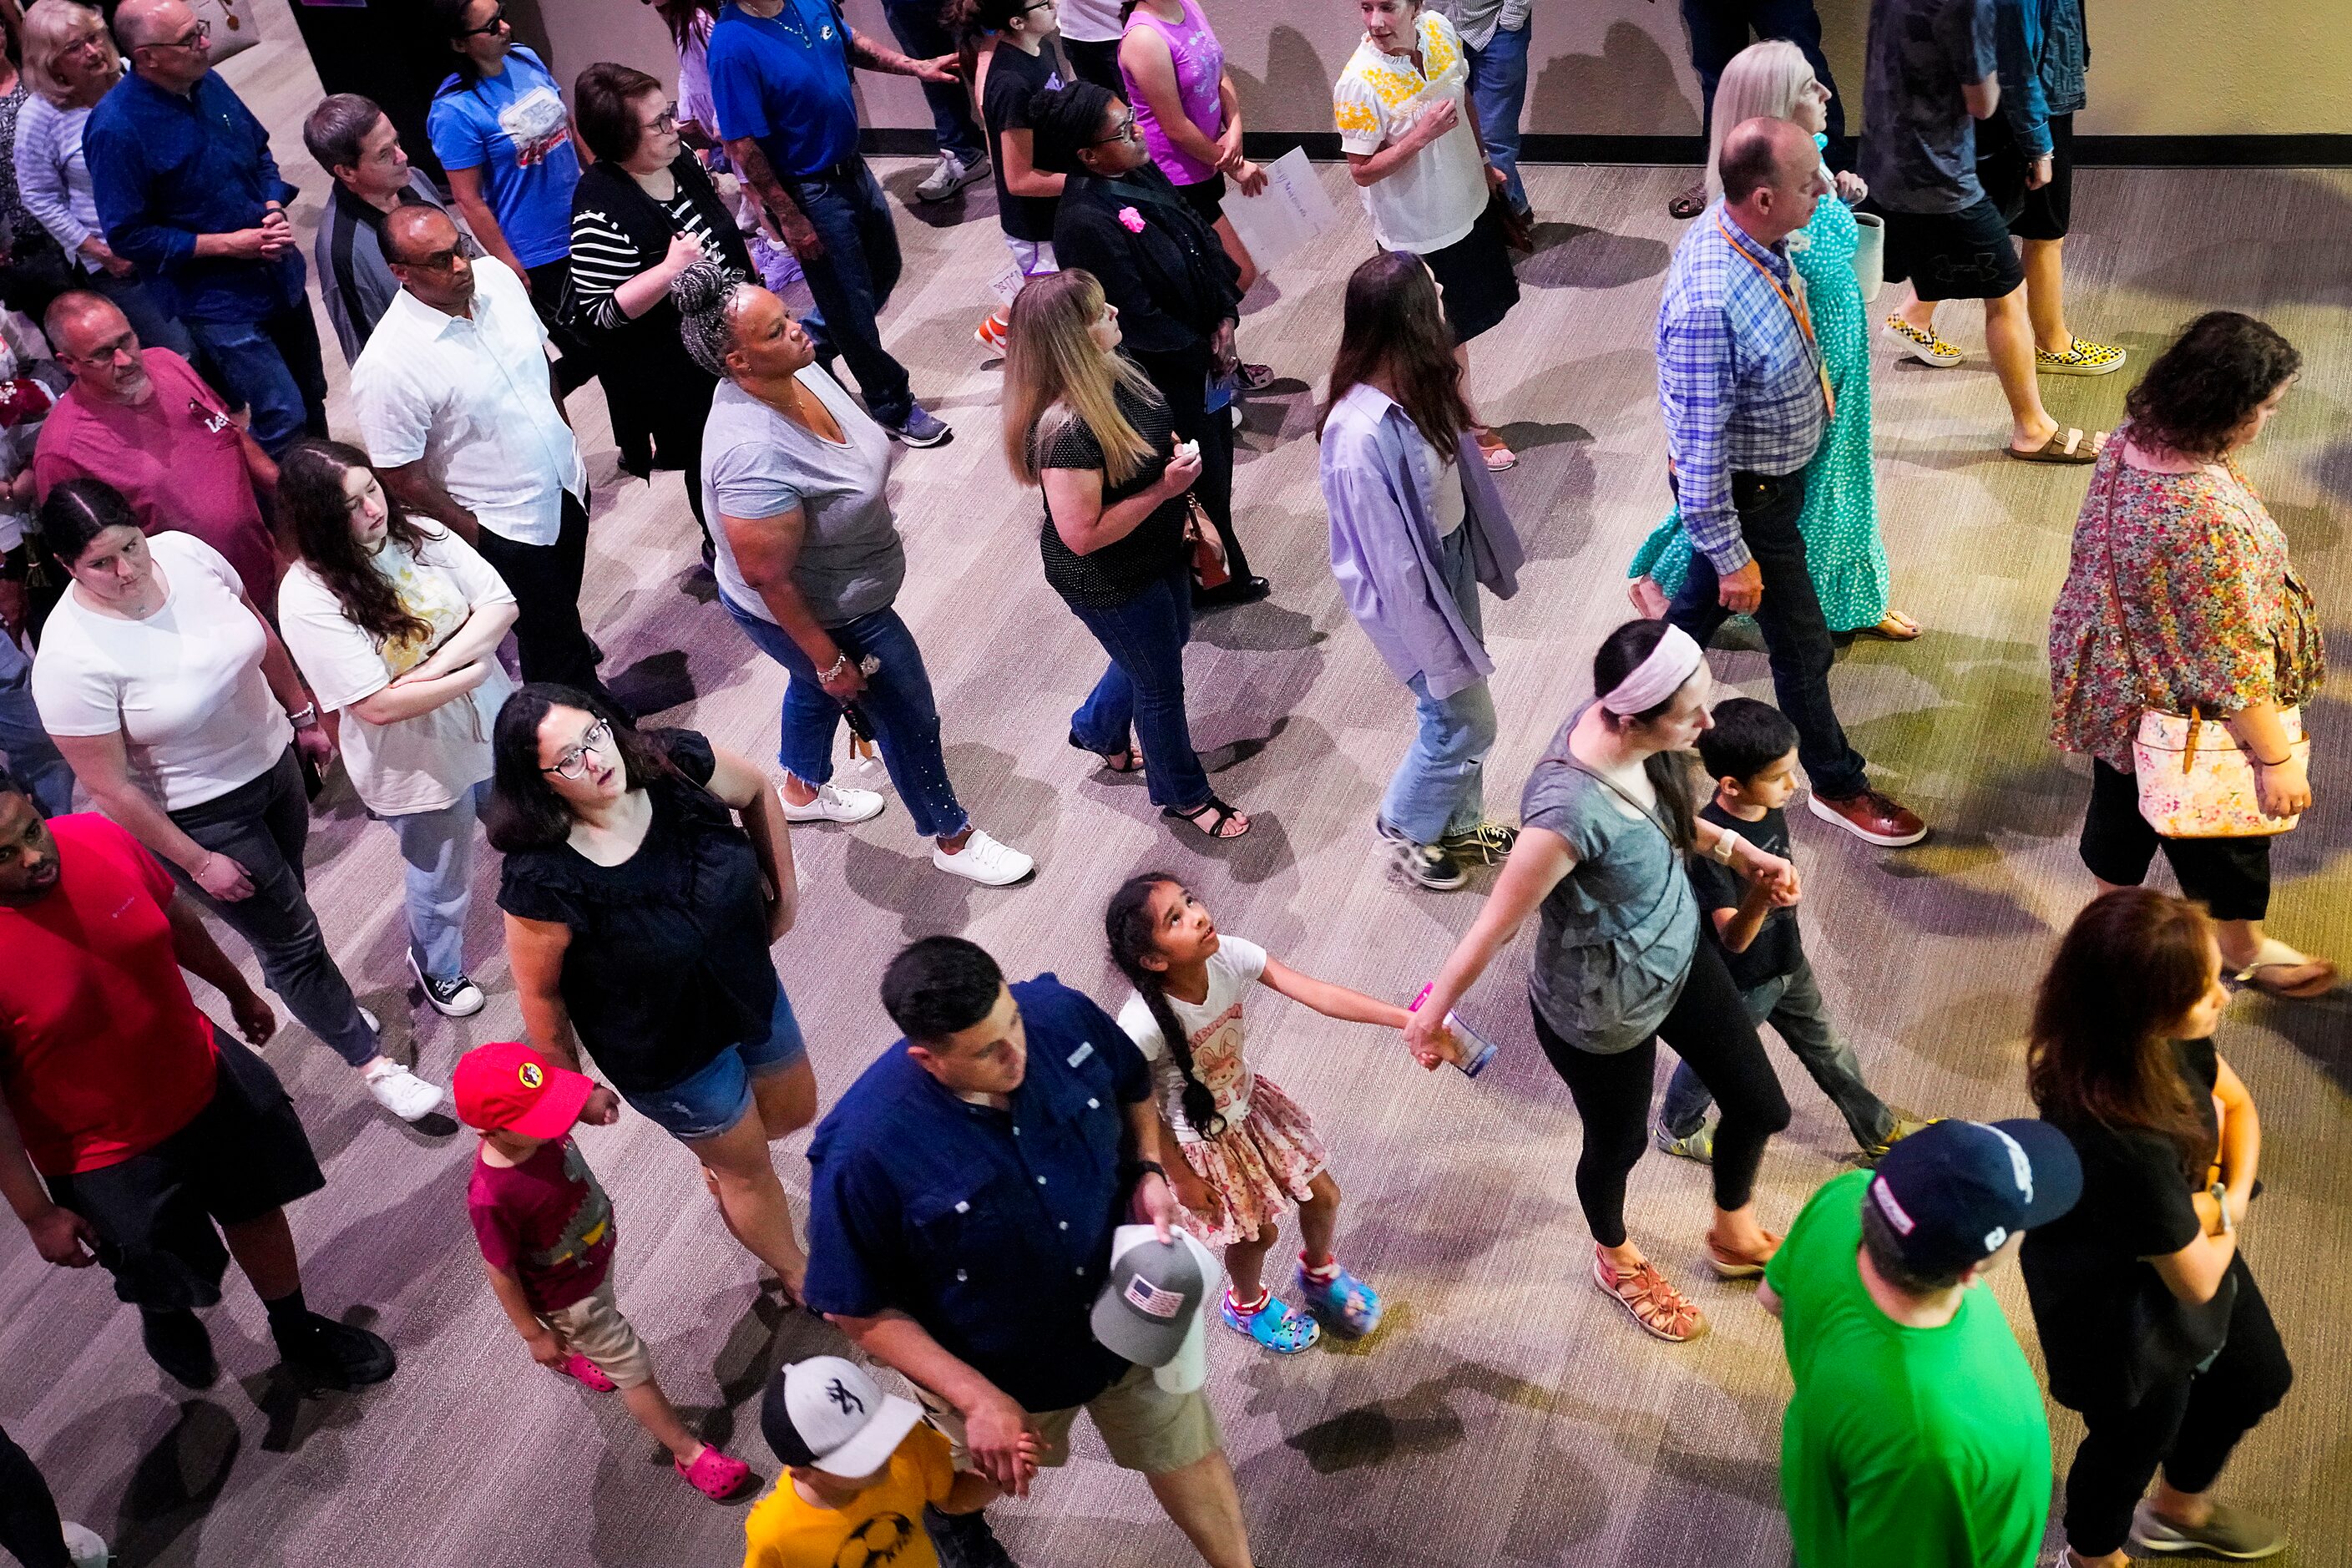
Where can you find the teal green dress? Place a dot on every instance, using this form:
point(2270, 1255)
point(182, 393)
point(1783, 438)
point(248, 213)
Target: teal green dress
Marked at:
point(1844, 553)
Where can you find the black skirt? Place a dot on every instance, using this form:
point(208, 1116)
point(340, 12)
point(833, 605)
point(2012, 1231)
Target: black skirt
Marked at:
point(1475, 274)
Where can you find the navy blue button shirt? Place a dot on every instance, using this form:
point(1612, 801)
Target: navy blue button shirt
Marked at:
point(165, 169)
point(991, 1228)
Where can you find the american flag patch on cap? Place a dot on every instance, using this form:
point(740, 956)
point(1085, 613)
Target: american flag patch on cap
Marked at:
point(1145, 1297)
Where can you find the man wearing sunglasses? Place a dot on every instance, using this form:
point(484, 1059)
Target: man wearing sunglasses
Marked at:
point(187, 189)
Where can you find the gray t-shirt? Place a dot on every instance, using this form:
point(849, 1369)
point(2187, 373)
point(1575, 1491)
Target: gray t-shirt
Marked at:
point(756, 463)
point(1919, 146)
point(1618, 931)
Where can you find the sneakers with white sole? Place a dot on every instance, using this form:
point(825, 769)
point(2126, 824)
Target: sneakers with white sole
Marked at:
point(402, 1092)
point(948, 176)
point(986, 861)
point(834, 805)
point(457, 998)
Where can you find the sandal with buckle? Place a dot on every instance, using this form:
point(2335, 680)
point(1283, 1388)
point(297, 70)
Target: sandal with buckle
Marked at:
point(2066, 444)
point(1211, 816)
point(1662, 1312)
point(2276, 955)
point(1124, 761)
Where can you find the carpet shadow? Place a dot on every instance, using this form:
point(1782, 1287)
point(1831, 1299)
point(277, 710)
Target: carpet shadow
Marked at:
point(1571, 256)
point(975, 201)
point(172, 1488)
point(1263, 627)
point(654, 683)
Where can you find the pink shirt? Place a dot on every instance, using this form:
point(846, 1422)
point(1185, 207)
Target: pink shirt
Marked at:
point(177, 458)
point(1200, 66)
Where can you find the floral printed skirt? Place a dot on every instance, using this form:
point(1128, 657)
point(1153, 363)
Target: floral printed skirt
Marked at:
point(1258, 1172)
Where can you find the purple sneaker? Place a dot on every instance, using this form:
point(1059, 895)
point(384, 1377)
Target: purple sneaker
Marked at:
point(1277, 1325)
point(1347, 1306)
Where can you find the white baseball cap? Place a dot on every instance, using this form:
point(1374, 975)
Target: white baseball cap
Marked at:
point(826, 1413)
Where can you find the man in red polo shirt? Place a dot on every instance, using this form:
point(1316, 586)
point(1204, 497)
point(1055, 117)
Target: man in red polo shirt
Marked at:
point(131, 1133)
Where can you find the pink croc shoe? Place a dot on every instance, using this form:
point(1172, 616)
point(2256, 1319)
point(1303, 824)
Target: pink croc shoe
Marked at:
point(589, 1372)
point(716, 1476)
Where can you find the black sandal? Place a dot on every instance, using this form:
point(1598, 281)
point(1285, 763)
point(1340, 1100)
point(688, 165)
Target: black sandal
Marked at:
point(1111, 760)
point(1210, 817)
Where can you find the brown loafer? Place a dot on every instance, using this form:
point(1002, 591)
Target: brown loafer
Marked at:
point(1871, 817)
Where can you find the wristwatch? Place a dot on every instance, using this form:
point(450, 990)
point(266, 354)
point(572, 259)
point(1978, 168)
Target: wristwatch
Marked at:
point(1727, 845)
point(1136, 1170)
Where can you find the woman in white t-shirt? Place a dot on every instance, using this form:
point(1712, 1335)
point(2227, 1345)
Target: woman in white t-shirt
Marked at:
point(395, 625)
point(1249, 1153)
point(1414, 152)
point(183, 717)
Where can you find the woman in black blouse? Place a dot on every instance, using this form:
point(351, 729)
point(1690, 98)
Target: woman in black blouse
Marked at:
point(642, 214)
point(1085, 425)
point(639, 919)
point(1164, 267)
point(2150, 1321)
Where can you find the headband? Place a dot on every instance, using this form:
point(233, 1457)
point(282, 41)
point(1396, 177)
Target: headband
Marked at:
point(1657, 677)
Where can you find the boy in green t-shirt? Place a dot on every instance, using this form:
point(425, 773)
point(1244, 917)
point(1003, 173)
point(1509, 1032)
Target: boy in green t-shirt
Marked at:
point(1916, 1438)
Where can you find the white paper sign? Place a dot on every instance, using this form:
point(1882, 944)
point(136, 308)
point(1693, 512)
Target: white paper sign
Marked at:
point(1007, 284)
point(1291, 210)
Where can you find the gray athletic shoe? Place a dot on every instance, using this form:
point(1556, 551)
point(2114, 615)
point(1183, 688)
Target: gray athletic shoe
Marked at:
point(2231, 1533)
point(1698, 1146)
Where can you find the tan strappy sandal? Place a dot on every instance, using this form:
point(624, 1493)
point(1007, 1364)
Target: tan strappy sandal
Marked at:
point(1662, 1312)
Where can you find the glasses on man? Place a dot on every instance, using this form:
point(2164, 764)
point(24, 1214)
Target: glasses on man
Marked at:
point(487, 29)
point(187, 41)
point(106, 356)
point(573, 762)
point(1124, 132)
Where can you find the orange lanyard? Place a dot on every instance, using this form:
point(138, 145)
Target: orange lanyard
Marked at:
point(1796, 303)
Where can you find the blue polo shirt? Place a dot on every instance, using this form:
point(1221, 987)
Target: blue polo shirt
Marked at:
point(164, 169)
point(991, 1228)
point(783, 81)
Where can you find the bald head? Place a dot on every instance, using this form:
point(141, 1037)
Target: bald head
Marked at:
point(161, 39)
point(96, 343)
point(1771, 174)
point(421, 246)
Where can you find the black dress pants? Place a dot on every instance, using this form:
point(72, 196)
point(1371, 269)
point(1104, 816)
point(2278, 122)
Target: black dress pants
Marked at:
point(546, 581)
point(1183, 381)
point(29, 1529)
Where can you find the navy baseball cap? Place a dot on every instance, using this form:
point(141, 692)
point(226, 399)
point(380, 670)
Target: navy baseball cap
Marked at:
point(1954, 1191)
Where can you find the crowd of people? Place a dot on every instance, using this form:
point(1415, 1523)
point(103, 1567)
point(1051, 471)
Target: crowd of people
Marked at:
point(208, 602)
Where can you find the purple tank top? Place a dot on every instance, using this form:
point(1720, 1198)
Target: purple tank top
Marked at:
point(1199, 66)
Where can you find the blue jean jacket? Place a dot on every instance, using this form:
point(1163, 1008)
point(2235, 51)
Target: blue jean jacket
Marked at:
point(2066, 55)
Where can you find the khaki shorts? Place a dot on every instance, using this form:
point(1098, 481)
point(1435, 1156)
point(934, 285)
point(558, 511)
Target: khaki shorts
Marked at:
point(594, 1327)
point(1146, 1429)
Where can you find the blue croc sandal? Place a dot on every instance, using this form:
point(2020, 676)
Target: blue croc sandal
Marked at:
point(1278, 1326)
point(1345, 1306)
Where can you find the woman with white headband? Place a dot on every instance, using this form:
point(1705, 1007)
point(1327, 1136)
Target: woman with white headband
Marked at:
point(1607, 817)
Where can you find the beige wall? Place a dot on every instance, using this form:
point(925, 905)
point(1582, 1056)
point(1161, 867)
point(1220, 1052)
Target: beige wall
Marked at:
point(1619, 67)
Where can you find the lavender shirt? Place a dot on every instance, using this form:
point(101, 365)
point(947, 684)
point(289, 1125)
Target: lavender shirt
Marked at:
point(1200, 66)
point(1384, 548)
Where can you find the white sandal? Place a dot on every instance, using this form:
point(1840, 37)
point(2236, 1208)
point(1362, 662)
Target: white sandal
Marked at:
point(2276, 955)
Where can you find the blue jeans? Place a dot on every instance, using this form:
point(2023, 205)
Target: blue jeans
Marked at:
point(437, 847)
point(272, 366)
point(852, 280)
point(1144, 690)
point(916, 25)
point(1792, 1005)
point(1498, 92)
point(1436, 790)
point(716, 1096)
point(896, 702)
point(31, 756)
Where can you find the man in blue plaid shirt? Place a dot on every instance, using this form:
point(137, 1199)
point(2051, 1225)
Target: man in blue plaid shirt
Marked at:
point(1741, 384)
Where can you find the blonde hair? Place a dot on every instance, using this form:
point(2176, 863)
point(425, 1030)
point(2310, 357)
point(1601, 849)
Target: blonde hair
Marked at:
point(1054, 374)
point(1763, 80)
point(50, 26)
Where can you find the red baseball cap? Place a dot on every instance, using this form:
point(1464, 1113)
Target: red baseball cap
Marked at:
point(507, 1087)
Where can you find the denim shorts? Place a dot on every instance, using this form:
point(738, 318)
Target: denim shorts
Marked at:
point(714, 1098)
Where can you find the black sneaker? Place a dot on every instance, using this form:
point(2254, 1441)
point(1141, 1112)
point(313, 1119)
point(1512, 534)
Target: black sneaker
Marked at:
point(180, 1346)
point(457, 998)
point(965, 1540)
point(329, 1354)
point(1430, 867)
point(1488, 844)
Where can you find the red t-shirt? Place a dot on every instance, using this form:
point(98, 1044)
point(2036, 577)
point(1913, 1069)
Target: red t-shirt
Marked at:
point(546, 1221)
point(102, 1052)
point(177, 459)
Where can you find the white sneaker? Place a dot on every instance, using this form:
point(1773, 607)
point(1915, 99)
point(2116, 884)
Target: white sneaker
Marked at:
point(402, 1092)
point(949, 176)
point(834, 805)
point(84, 1548)
point(984, 860)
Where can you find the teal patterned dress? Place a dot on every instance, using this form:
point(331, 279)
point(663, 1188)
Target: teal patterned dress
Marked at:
point(1843, 552)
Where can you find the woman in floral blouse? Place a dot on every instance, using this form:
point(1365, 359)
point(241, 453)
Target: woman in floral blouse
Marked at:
point(2179, 596)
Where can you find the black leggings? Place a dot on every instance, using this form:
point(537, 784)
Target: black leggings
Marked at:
point(29, 1529)
point(1709, 1029)
point(2189, 1425)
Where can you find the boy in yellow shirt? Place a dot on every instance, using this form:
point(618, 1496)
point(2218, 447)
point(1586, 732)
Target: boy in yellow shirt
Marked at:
point(859, 1468)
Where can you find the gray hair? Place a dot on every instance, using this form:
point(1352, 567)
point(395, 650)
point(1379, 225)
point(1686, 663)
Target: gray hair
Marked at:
point(50, 26)
point(706, 296)
point(334, 131)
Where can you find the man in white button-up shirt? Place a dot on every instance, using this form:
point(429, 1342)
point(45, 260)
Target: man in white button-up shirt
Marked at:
point(457, 405)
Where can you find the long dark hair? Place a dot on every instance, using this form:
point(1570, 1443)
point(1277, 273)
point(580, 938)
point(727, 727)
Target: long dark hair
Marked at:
point(1671, 773)
point(2197, 392)
point(315, 510)
point(450, 16)
point(77, 511)
point(525, 811)
point(1134, 936)
point(1393, 322)
point(678, 15)
point(2129, 968)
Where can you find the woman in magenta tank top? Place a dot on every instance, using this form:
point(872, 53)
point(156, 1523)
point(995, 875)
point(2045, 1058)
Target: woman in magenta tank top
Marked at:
point(1189, 114)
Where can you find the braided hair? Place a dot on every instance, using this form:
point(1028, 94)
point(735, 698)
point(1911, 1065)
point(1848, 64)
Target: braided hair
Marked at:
point(1134, 936)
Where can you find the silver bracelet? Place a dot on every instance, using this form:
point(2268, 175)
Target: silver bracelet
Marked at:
point(840, 662)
